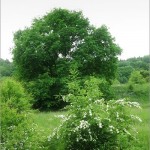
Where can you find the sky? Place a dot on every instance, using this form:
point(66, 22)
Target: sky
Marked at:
point(127, 20)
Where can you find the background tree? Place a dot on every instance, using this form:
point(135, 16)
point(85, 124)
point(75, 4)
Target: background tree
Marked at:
point(6, 68)
point(56, 42)
point(124, 73)
point(136, 78)
point(145, 74)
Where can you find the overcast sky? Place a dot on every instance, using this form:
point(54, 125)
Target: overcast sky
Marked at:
point(128, 20)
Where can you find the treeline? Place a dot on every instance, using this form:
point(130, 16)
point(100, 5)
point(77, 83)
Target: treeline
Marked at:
point(132, 65)
point(125, 68)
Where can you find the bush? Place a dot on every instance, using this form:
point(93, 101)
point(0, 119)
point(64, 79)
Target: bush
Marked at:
point(14, 95)
point(136, 78)
point(17, 128)
point(93, 123)
point(15, 131)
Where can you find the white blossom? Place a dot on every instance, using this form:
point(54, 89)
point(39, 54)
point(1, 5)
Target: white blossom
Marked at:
point(127, 131)
point(90, 112)
point(107, 107)
point(100, 125)
point(117, 114)
point(100, 101)
point(83, 124)
point(117, 130)
point(60, 116)
point(135, 104)
point(121, 102)
point(111, 128)
point(136, 117)
point(84, 115)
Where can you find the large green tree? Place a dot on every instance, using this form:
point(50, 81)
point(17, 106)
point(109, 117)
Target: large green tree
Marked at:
point(58, 41)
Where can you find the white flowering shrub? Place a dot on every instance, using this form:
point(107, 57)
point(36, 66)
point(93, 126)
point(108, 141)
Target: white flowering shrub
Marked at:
point(92, 123)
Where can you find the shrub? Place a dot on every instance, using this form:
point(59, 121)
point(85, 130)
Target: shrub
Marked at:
point(93, 123)
point(14, 128)
point(17, 128)
point(14, 95)
point(136, 78)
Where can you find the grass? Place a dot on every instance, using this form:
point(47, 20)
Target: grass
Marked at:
point(47, 121)
point(143, 129)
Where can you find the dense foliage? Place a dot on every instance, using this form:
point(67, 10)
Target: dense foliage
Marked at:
point(56, 42)
point(14, 95)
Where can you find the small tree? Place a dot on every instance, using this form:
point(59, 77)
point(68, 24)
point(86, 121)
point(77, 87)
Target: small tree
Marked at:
point(136, 78)
point(124, 73)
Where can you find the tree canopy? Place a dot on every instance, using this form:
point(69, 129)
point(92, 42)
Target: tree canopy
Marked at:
point(60, 40)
